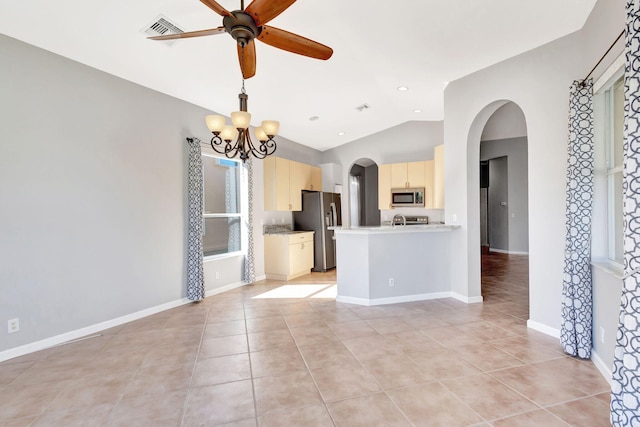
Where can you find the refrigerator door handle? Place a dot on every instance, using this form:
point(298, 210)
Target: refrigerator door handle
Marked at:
point(334, 214)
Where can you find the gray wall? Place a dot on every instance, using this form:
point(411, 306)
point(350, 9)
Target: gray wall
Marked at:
point(357, 170)
point(371, 211)
point(607, 289)
point(92, 189)
point(515, 150)
point(411, 141)
point(538, 82)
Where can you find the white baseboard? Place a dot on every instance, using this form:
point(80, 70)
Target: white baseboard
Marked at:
point(502, 251)
point(222, 289)
point(404, 298)
point(604, 369)
point(547, 330)
point(468, 300)
point(79, 333)
point(89, 330)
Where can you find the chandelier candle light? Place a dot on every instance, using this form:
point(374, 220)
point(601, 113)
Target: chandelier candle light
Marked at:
point(224, 134)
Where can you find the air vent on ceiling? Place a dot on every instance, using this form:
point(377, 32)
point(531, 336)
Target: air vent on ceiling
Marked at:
point(363, 107)
point(162, 26)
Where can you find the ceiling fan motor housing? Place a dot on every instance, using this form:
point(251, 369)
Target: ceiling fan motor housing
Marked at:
point(241, 26)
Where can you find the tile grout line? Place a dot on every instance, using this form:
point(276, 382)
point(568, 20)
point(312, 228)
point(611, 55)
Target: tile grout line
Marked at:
point(195, 363)
point(253, 385)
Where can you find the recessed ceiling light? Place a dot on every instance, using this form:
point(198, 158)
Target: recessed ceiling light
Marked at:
point(417, 110)
point(313, 118)
point(341, 133)
point(402, 88)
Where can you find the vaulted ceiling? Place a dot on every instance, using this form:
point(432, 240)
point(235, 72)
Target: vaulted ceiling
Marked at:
point(378, 47)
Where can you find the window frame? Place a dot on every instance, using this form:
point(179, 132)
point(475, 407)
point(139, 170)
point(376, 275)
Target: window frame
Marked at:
point(614, 206)
point(603, 88)
point(242, 215)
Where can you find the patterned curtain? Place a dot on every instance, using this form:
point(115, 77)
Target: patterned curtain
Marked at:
point(249, 260)
point(625, 390)
point(195, 273)
point(575, 332)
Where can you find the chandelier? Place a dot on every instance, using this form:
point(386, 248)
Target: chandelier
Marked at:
point(234, 140)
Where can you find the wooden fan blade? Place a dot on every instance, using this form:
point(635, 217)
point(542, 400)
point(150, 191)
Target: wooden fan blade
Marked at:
point(263, 11)
point(294, 43)
point(213, 5)
point(248, 63)
point(200, 33)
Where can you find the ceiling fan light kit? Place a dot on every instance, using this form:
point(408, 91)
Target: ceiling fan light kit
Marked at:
point(246, 25)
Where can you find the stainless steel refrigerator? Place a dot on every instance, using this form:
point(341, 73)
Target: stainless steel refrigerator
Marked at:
point(319, 211)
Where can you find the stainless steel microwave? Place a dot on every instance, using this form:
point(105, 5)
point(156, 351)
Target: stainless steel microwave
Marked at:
point(408, 197)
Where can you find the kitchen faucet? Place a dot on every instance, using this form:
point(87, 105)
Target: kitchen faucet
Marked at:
point(399, 215)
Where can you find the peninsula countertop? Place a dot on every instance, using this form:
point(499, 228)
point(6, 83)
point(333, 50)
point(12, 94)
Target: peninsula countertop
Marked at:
point(382, 229)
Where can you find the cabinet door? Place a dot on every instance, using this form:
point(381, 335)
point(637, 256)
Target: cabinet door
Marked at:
point(276, 260)
point(415, 174)
point(307, 255)
point(298, 176)
point(300, 253)
point(295, 258)
point(276, 184)
point(269, 178)
point(284, 180)
point(428, 184)
point(316, 178)
point(399, 175)
point(438, 177)
point(384, 187)
point(282, 184)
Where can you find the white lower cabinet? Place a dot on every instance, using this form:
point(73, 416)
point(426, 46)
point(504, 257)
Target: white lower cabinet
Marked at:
point(287, 256)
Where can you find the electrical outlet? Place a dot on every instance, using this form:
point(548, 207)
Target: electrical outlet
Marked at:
point(391, 282)
point(601, 334)
point(454, 218)
point(13, 325)
point(217, 274)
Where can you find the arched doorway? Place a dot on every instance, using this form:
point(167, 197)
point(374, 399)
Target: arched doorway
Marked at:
point(363, 193)
point(504, 219)
point(488, 127)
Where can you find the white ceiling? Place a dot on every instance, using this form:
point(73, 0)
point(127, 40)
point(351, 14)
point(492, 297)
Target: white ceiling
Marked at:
point(378, 46)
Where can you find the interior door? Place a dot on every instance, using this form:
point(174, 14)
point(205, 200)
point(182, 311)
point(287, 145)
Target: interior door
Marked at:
point(498, 204)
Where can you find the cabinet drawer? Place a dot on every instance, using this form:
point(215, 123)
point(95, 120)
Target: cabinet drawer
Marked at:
point(300, 237)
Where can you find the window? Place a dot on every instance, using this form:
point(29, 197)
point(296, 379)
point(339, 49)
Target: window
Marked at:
point(614, 111)
point(222, 205)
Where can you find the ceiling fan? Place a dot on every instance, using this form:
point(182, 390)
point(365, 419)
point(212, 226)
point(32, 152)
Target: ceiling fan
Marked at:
point(245, 25)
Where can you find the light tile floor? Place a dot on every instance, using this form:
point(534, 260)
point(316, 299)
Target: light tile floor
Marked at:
point(275, 354)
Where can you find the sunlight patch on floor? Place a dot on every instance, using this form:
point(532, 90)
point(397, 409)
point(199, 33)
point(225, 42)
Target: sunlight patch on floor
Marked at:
point(299, 291)
point(330, 292)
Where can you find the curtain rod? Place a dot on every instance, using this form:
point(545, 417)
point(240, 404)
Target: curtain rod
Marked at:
point(603, 56)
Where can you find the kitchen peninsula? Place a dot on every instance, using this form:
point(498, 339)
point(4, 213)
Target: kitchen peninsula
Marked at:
point(386, 264)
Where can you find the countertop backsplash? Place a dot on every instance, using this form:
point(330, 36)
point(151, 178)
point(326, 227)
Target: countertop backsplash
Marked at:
point(276, 228)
